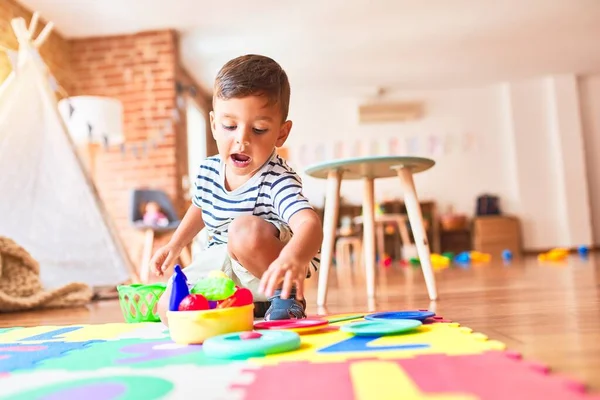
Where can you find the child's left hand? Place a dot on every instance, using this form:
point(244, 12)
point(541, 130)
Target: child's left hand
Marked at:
point(288, 269)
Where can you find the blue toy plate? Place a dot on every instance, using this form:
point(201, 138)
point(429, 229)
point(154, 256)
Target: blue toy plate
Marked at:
point(381, 327)
point(234, 346)
point(395, 315)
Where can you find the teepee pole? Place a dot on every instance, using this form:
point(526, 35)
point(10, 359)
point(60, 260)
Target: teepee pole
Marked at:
point(20, 29)
point(43, 35)
point(33, 24)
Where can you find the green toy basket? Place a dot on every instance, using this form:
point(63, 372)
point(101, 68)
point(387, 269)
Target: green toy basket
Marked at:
point(139, 303)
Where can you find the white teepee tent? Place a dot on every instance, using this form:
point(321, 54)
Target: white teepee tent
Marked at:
point(48, 204)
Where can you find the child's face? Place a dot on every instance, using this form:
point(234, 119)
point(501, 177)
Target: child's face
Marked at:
point(246, 131)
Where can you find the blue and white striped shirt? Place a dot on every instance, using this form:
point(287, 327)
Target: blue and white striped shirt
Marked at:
point(274, 193)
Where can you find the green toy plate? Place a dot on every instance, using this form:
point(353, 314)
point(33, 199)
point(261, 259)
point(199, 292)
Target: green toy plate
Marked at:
point(380, 328)
point(237, 346)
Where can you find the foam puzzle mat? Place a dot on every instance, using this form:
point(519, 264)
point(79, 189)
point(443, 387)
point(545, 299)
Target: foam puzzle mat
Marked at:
point(440, 360)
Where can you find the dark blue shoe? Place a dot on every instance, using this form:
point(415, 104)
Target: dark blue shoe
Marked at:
point(289, 308)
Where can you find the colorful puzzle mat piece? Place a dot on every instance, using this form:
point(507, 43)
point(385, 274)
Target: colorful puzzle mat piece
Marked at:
point(491, 375)
point(335, 345)
point(171, 382)
point(439, 360)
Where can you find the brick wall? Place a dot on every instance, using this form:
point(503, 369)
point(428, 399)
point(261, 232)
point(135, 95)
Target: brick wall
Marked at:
point(55, 51)
point(140, 70)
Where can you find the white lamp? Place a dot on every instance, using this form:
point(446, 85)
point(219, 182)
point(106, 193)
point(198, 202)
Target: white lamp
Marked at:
point(103, 114)
point(93, 121)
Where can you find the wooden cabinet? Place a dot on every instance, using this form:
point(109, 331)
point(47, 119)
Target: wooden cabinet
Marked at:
point(494, 234)
point(455, 241)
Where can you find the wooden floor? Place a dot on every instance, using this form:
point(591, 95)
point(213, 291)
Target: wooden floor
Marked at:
point(550, 313)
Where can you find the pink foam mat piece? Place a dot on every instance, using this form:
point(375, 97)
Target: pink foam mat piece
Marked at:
point(493, 375)
point(489, 376)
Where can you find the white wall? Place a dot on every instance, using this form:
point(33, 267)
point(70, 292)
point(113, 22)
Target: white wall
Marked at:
point(589, 90)
point(528, 149)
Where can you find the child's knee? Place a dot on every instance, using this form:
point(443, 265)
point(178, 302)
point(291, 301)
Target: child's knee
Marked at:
point(248, 234)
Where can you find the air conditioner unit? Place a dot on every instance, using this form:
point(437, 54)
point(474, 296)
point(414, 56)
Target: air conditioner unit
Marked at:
point(381, 112)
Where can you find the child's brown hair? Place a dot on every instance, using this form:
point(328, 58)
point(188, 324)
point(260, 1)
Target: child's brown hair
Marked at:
point(254, 75)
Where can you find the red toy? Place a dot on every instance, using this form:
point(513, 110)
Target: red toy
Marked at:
point(194, 302)
point(242, 297)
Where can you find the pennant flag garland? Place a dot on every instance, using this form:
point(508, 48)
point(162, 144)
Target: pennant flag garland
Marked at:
point(338, 149)
point(412, 144)
point(374, 148)
point(421, 145)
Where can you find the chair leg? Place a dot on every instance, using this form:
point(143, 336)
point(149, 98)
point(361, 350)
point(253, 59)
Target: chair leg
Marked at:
point(369, 234)
point(332, 201)
point(147, 255)
point(415, 217)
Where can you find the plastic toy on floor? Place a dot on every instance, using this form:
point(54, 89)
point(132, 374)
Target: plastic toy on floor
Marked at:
point(556, 254)
point(473, 257)
point(583, 251)
point(438, 261)
point(213, 306)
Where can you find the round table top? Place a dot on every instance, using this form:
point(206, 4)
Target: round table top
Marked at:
point(369, 167)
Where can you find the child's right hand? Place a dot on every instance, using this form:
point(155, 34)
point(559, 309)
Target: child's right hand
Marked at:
point(164, 258)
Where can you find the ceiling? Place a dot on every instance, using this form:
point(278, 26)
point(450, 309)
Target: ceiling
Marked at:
point(367, 45)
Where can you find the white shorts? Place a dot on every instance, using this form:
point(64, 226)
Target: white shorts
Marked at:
point(217, 258)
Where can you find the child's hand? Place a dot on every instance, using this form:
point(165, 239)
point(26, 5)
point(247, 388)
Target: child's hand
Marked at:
point(287, 269)
point(164, 258)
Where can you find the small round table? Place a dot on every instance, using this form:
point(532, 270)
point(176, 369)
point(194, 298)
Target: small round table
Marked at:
point(368, 169)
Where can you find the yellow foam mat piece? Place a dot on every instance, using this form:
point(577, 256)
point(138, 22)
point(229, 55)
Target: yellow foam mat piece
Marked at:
point(74, 333)
point(438, 338)
point(381, 380)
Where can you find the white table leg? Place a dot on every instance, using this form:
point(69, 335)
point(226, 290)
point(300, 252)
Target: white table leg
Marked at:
point(415, 217)
point(332, 202)
point(369, 234)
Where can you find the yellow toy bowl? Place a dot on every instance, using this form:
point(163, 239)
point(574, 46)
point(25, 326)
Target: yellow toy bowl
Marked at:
point(194, 327)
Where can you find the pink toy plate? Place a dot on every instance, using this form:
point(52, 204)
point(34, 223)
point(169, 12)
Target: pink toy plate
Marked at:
point(296, 325)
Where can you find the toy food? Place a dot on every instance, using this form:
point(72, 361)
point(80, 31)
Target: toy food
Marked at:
point(214, 288)
point(179, 289)
point(193, 302)
point(241, 297)
point(217, 273)
point(214, 307)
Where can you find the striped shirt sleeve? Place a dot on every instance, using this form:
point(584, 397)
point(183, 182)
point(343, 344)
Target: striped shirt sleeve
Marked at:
point(287, 197)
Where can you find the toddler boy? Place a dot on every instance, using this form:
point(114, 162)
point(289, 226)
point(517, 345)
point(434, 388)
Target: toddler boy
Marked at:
point(256, 225)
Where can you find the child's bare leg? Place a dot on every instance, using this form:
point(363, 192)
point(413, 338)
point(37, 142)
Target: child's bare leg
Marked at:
point(254, 243)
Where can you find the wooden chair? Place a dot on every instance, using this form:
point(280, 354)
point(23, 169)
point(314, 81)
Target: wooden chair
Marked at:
point(139, 197)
